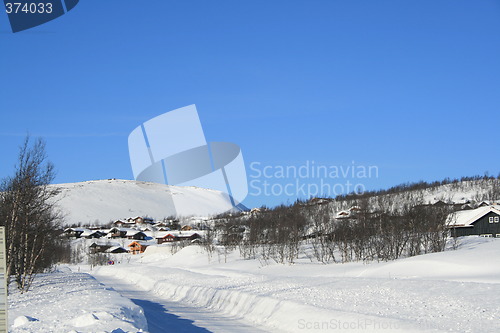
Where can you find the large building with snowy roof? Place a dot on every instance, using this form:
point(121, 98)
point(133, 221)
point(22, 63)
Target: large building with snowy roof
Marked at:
point(483, 221)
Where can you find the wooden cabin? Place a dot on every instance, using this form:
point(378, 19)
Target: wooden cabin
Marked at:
point(136, 247)
point(483, 221)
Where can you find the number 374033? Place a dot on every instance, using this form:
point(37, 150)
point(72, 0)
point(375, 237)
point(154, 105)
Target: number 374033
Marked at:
point(28, 8)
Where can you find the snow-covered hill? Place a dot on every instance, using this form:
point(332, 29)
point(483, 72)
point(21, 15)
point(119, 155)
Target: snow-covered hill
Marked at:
point(100, 201)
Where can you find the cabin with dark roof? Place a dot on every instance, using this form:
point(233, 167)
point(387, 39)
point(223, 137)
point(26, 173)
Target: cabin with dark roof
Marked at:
point(483, 221)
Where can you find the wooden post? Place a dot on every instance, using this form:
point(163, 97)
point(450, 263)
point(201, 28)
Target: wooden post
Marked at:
point(3, 284)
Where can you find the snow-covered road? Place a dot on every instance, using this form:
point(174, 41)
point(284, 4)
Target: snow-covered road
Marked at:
point(163, 315)
point(65, 301)
point(453, 291)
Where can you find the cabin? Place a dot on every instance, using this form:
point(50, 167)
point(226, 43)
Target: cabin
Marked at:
point(254, 211)
point(135, 220)
point(343, 214)
point(135, 234)
point(190, 236)
point(116, 249)
point(166, 239)
point(177, 237)
point(355, 209)
point(73, 232)
point(117, 232)
point(484, 204)
point(440, 203)
point(147, 227)
point(89, 234)
point(99, 248)
point(119, 223)
point(107, 247)
point(318, 201)
point(466, 207)
point(126, 233)
point(136, 247)
point(83, 233)
point(483, 221)
point(161, 226)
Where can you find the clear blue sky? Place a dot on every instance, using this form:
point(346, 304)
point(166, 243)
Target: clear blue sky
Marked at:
point(412, 87)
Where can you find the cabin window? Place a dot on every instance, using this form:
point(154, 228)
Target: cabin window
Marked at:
point(491, 219)
point(496, 219)
point(486, 235)
point(497, 235)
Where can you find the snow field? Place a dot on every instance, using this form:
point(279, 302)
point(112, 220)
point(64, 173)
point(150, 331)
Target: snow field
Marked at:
point(453, 291)
point(72, 302)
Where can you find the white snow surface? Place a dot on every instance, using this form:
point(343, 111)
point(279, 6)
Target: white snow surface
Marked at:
point(452, 291)
point(101, 201)
point(64, 301)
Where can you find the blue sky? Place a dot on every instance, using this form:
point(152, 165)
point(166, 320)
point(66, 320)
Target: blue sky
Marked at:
point(411, 87)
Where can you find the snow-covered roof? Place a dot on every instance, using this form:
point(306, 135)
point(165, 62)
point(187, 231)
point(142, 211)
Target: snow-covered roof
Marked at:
point(461, 201)
point(147, 227)
point(114, 248)
point(176, 233)
point(74, 229)
point(343, 213)
point(88, 232)
point(128, 231)
point(465, 218)
point(162, 234)
point(105, 243)
point(132, 232)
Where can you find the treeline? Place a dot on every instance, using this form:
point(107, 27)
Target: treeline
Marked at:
point(415, 186)
point(281, 233)
point(383, 235)
point(271, 234)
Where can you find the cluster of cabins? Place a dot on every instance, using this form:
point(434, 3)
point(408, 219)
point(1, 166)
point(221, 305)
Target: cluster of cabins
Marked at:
point(141, 231)
point(482, 219)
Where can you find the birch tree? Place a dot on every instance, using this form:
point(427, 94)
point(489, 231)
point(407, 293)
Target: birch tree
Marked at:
point(30, 218)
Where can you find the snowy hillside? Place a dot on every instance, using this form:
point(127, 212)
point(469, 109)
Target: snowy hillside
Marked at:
point(100, 201)
point(455, 193)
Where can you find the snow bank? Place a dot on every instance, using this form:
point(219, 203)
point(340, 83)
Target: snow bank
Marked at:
point(64, 301)
point(436, 292)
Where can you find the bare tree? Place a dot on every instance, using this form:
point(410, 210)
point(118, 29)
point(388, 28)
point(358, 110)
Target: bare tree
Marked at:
point(30, 218)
